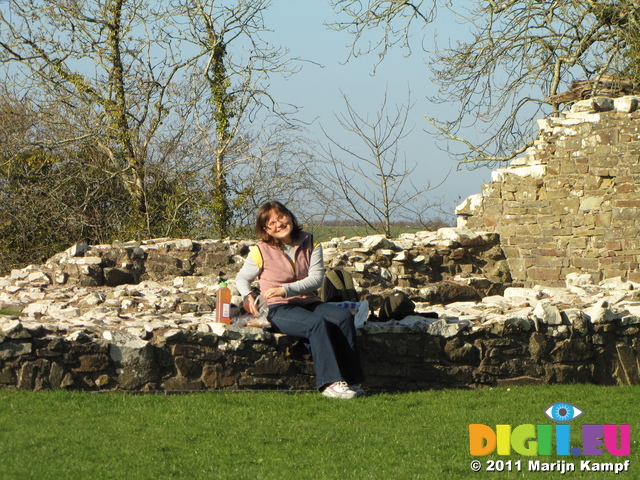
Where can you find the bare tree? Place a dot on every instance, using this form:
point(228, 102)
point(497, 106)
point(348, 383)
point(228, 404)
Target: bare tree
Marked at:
point(373, 184)
point(171, 92)
point(50, 197)
point(99, 59)
point(230, 107)
point(519, 55)
point(282, 165)
point(391, 21)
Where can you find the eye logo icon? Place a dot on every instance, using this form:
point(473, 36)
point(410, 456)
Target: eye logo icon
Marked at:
point(563, 412)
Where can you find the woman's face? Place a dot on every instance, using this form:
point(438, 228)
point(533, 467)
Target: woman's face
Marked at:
point(279, 226)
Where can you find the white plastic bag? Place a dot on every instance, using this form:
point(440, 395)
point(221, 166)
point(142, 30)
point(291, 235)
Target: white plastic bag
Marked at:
point(259, 320)
point(359, 310)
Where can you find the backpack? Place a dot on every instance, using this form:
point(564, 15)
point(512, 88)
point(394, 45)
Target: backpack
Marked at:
point(337, 286)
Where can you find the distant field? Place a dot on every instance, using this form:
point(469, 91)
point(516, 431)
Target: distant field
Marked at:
point(323, 233)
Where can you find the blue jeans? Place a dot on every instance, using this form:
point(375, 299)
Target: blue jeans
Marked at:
point(331, 335)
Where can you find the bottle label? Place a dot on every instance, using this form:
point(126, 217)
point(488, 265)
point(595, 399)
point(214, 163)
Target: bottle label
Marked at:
point(226, 310)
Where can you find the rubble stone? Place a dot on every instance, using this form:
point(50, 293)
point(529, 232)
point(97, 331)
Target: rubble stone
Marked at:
point(160, 333)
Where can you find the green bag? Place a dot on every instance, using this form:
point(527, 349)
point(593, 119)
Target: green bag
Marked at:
point(338, 287)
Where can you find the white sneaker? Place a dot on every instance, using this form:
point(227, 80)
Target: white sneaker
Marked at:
point(339, 390)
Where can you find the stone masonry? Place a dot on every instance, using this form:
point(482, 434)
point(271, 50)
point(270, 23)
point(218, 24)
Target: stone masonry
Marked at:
point(138, 316)
point(539, 283)
point(572, 204)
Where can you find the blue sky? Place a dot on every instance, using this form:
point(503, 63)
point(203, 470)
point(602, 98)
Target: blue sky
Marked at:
point(298, 25)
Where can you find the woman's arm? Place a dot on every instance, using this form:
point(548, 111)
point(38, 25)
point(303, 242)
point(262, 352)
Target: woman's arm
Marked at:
point(245, 277)
point(313, 281)
point(247, 274)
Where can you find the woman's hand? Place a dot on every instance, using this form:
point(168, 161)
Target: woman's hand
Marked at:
point(275, 292)
point(249, 304)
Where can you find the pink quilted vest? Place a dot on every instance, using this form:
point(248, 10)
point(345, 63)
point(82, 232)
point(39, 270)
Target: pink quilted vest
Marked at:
point(278, 269)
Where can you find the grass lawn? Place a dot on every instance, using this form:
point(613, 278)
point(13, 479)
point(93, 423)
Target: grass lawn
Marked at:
point(69, 435)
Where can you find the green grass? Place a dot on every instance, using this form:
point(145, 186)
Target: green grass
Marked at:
point(71, 435)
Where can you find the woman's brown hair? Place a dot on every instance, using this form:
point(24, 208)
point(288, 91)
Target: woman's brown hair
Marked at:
point(263, 217)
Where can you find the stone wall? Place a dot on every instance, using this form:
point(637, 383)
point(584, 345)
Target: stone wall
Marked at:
point(401, 357)
point(572, 204)
point(562, 222)
point(139, 316)
point(437, 267)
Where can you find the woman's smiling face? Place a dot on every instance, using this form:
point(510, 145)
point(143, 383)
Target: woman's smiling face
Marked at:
point(279, 226)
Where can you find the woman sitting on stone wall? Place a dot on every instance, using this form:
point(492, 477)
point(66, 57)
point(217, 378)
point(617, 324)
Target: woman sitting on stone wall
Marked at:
point(290, 270)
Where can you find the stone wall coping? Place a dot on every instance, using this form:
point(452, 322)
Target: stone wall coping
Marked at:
point(178, 303)
point(615, 301)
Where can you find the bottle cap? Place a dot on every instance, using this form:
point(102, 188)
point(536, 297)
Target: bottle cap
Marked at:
point(223, 284)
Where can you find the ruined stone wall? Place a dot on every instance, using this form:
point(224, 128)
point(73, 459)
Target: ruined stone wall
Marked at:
point(139, 316)
point(572, 204)
point(437, 267)
point(401, 357)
